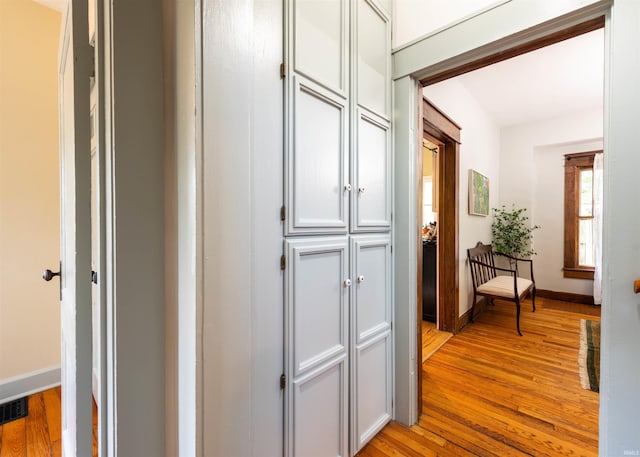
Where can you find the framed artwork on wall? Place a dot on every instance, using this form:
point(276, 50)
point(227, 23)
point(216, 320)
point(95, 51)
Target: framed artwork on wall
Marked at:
point(478, 194)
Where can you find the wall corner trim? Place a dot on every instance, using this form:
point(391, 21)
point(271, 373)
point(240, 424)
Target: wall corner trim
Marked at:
point(29, 383)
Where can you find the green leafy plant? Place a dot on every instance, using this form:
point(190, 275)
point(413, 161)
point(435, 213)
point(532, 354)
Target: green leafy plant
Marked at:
point(511, 232)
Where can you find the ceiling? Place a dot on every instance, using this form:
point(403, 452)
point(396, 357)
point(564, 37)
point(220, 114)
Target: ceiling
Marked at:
point(557, 80)
point(57, 5)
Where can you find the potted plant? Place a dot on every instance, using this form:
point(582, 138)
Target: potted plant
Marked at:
point(512, 233)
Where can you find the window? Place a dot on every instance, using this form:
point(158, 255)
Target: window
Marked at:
point(428, 215)
point(578, 215)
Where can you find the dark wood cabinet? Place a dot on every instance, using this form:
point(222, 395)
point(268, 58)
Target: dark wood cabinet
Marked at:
point(429, 280)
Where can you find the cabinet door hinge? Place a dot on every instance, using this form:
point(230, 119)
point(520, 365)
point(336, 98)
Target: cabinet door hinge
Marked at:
point(283, 262)
point(283, 381)
point(283, 70)
point(282, 213)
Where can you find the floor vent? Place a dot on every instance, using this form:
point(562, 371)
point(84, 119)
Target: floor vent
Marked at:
point(13, 410)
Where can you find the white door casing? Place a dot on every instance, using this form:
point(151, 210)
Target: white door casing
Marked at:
point(506, 26)
point(75, 242)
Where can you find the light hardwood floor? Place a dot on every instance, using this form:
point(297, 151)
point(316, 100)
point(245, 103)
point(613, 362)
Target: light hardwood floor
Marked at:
point(38, 434)
point(486, 392)
point(432, 339)
point(490, 392)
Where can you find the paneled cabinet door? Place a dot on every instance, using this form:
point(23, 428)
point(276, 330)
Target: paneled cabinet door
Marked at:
point(317, 139)
point(371, 173)
point(371, 362)
point(317, 191)
point(319, 40)
point(317, 286)
point(371, 46)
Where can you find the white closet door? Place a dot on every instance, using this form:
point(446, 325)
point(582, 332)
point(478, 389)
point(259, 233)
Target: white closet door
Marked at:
point(371, 362)
point(372, 51)
point(317, 188)
point(317, 289)
point(320, 40)
point(75, 231)
point(371, 169)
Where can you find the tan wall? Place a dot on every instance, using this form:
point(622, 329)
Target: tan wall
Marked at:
point(29, 187)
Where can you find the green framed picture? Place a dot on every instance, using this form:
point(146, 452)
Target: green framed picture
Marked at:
point(478, 194)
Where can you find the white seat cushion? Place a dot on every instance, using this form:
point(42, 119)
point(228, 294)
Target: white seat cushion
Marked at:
point(502, 286)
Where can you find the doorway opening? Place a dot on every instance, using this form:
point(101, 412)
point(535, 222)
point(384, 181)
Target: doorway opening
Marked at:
point(433, 142)
point(441, 138)
point(438, 166)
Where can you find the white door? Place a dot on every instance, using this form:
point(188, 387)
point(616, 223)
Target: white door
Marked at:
point(75, 242)
point(371, 370)
point(317, 138)
point(316, 321)
point(95, 250)
point(371, 118)
point(371, 198)
point(318, 193)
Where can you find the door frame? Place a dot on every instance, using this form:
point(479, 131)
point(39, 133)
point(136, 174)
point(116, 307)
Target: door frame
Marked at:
point(96, 36)
point(134, 278)
point(446, 132)
point(477, 41)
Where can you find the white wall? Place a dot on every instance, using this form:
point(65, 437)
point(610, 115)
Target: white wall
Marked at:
point(480, 150)
point(532, 176)
point(548, 206)
point(415, 18)
point(29, 189)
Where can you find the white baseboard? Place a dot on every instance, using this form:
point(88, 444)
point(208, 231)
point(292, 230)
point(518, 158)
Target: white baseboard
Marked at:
point(29, 383)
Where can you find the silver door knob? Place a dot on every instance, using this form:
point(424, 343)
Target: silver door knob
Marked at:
point(361, 278)
point(361, 190)
point(347, 187)
point(347, 283)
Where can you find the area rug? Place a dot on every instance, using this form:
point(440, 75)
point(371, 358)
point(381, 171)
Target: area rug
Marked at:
point(589, 356)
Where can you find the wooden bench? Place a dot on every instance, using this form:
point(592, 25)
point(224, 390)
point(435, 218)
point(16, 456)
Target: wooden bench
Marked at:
point(492, 282)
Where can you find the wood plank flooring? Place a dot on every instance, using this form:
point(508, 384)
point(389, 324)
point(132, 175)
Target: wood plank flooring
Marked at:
point(39, 434)
point(486, 392)
point(490, 392)
point(432, 339)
